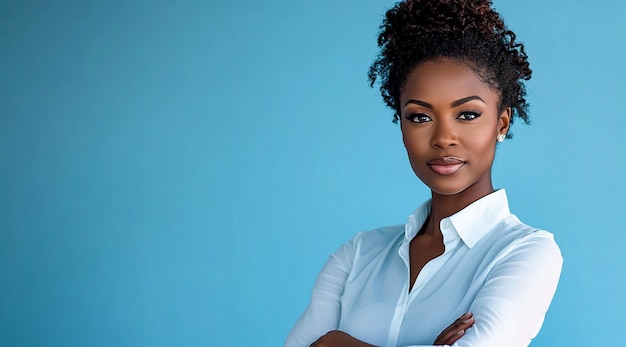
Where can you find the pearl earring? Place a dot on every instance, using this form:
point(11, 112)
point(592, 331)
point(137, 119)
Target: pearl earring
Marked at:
point(501, 137)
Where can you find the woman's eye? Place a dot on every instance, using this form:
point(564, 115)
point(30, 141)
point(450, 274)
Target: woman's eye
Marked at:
point(418, 118)
point(469, 115)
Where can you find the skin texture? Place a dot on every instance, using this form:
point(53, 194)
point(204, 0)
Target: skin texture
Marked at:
point(466, 131)
point(447, 111)
point(455, 330)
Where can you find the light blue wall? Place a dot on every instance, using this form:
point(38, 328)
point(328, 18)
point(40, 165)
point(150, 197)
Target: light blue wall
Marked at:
point(176, 173)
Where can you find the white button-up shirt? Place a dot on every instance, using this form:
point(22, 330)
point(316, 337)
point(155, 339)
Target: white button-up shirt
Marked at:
point(503, 271)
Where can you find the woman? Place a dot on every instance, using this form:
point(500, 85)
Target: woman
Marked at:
point(463, 271)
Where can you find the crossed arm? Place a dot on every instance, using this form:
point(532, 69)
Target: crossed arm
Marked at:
point(448, 336)
point(507, 311)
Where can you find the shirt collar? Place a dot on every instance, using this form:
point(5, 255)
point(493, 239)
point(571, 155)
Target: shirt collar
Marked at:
point(470, 224)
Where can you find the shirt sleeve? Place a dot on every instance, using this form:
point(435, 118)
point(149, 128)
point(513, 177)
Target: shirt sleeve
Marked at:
point(510, 307)
point(323, 313)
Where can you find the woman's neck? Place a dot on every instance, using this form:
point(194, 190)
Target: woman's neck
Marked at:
point(444, 206)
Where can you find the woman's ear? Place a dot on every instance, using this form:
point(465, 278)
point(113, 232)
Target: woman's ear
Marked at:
point(504, 121)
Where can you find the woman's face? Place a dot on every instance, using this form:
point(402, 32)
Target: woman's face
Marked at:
point(450, 121)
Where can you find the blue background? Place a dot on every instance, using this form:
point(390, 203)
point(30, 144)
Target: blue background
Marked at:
point(176, 173)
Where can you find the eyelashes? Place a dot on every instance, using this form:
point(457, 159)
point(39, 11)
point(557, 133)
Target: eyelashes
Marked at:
point(469, 115)
point(419, 117)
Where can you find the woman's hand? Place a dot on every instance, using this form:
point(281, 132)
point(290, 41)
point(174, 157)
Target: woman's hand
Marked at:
point(455, 330)
point(338, 338)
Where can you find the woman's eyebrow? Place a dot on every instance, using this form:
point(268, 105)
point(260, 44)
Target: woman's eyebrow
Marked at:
point(453, 104)
point(466, 99)
point(419, 102)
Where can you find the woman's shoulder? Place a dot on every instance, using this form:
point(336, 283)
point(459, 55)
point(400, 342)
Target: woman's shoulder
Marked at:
point(376, 240)
point(390, 232)
point(517, 229)
point(514, 236)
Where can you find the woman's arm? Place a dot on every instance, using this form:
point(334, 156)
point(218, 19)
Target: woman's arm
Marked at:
point(507, 311)
point(510, 307)
point(447, 337)
point(322, 314)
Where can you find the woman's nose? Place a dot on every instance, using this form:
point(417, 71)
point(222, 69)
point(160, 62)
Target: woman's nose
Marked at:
point(444, 135)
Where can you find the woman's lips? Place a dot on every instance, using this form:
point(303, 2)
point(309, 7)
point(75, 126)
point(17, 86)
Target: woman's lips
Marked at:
point(446, 166)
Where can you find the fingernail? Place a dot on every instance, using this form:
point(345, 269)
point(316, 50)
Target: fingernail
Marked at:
point(460, 332)
point(466, 320)
point(466, 315)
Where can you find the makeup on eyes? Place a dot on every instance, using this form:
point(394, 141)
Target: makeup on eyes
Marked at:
point(413, 116)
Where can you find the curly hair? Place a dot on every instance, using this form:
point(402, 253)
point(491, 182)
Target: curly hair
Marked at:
point(470, 31)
